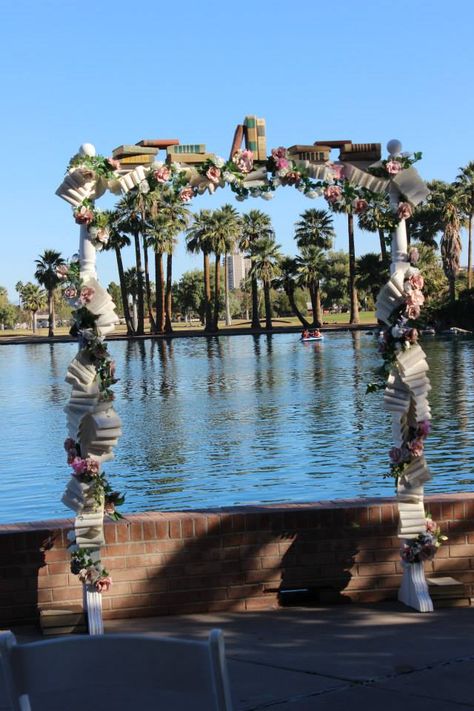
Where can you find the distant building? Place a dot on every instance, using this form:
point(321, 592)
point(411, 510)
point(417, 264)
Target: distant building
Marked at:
point(238, 267)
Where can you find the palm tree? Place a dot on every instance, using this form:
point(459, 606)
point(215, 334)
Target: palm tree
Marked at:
point(465, 186)
point(132, 286)
point(199, 239)
point(265, 257)
point(117, 241)
point(287, 280)
point(130, 216)
point(232, 227)
point(372, 273)
point(47, 276)
point(255, 225)
point(311, 265)
point(443, 213)
point(347, 208)
point(169, 217)
point(32, 299)
point(224, 232)
point(373, 220)
point(314, 233)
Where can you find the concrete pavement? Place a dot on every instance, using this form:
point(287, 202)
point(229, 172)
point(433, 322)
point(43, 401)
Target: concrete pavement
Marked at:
point(367, 658)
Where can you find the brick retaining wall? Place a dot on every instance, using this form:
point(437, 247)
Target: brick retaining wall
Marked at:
point(231, 559)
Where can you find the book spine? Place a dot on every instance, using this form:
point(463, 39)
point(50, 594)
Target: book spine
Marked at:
point(238, 138)
point(187, 148)
point(261, 139)
point(158, 142)
point(251, 142)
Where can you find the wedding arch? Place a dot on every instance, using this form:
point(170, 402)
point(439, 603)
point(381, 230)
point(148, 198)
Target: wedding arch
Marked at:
point(358, 180)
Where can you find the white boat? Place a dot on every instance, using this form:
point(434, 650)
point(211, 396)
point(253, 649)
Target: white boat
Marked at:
point(312, 338)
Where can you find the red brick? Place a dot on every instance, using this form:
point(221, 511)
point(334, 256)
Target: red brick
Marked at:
point(262, 603)
point(67, 594)
point(53, 581)
point(244, 591)
point(187, 527)
point(376, 569)
point(122, 532)
point(149, 530)
point(109, 533)
point(175, 529)
point(460, 551)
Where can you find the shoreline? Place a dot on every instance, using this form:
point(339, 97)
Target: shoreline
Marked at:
point(226, 331)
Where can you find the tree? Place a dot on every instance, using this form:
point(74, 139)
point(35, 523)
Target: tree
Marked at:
point(199, 239)
point(373, 219)
point(314, 233)
point(32, 299)
point(8, 312)
point(132, 286)
point(287, 280)
point(231, 225)
point(131, 219)
point(169, 217)
point(442, 213)
point(335, 290)
point(189, 294)
point(465, 187)
point(372, 273)
point(117, 241)
point(345, 205)
point(116, 294)
point(311, 265)
point(265, 258)
point(225, 228)
point(255, 225)
point(47, 276)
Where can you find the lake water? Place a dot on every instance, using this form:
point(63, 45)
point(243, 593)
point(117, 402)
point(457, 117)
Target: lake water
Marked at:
point(230, 420)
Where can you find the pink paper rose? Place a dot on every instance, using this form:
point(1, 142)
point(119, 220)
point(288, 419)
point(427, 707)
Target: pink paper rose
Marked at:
point(281, 163)
point(411, 335)
point(87, 294)
point(213, 174)
point(279, 152)
point(103, 584)
point(360, 205)
point(79, 465)
point(292, 177)
point(186, 194)
point(83, 216)
point(332, 193)
point(424, 428)
point(413, 311)
point(417, 281)
point(416, 447)
point(243, 160)
point(415, 298)
point(163, 174)
point(393, 167)
point(337, 170)
point(404, 211)
point(70, 292)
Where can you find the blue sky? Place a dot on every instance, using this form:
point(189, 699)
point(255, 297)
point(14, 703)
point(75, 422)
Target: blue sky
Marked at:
point(113, 72)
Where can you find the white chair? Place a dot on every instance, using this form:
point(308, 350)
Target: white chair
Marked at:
point(123, 671)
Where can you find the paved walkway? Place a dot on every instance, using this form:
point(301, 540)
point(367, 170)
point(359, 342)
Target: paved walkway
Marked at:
point(359, 658)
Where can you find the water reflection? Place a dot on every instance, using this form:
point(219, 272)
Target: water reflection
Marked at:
point(219, 421)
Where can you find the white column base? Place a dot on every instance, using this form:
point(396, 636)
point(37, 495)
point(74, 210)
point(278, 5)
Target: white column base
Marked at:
point(414, 589)
point(93, 607)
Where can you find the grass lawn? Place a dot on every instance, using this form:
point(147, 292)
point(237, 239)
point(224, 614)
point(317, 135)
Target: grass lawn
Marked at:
point(366, 317)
